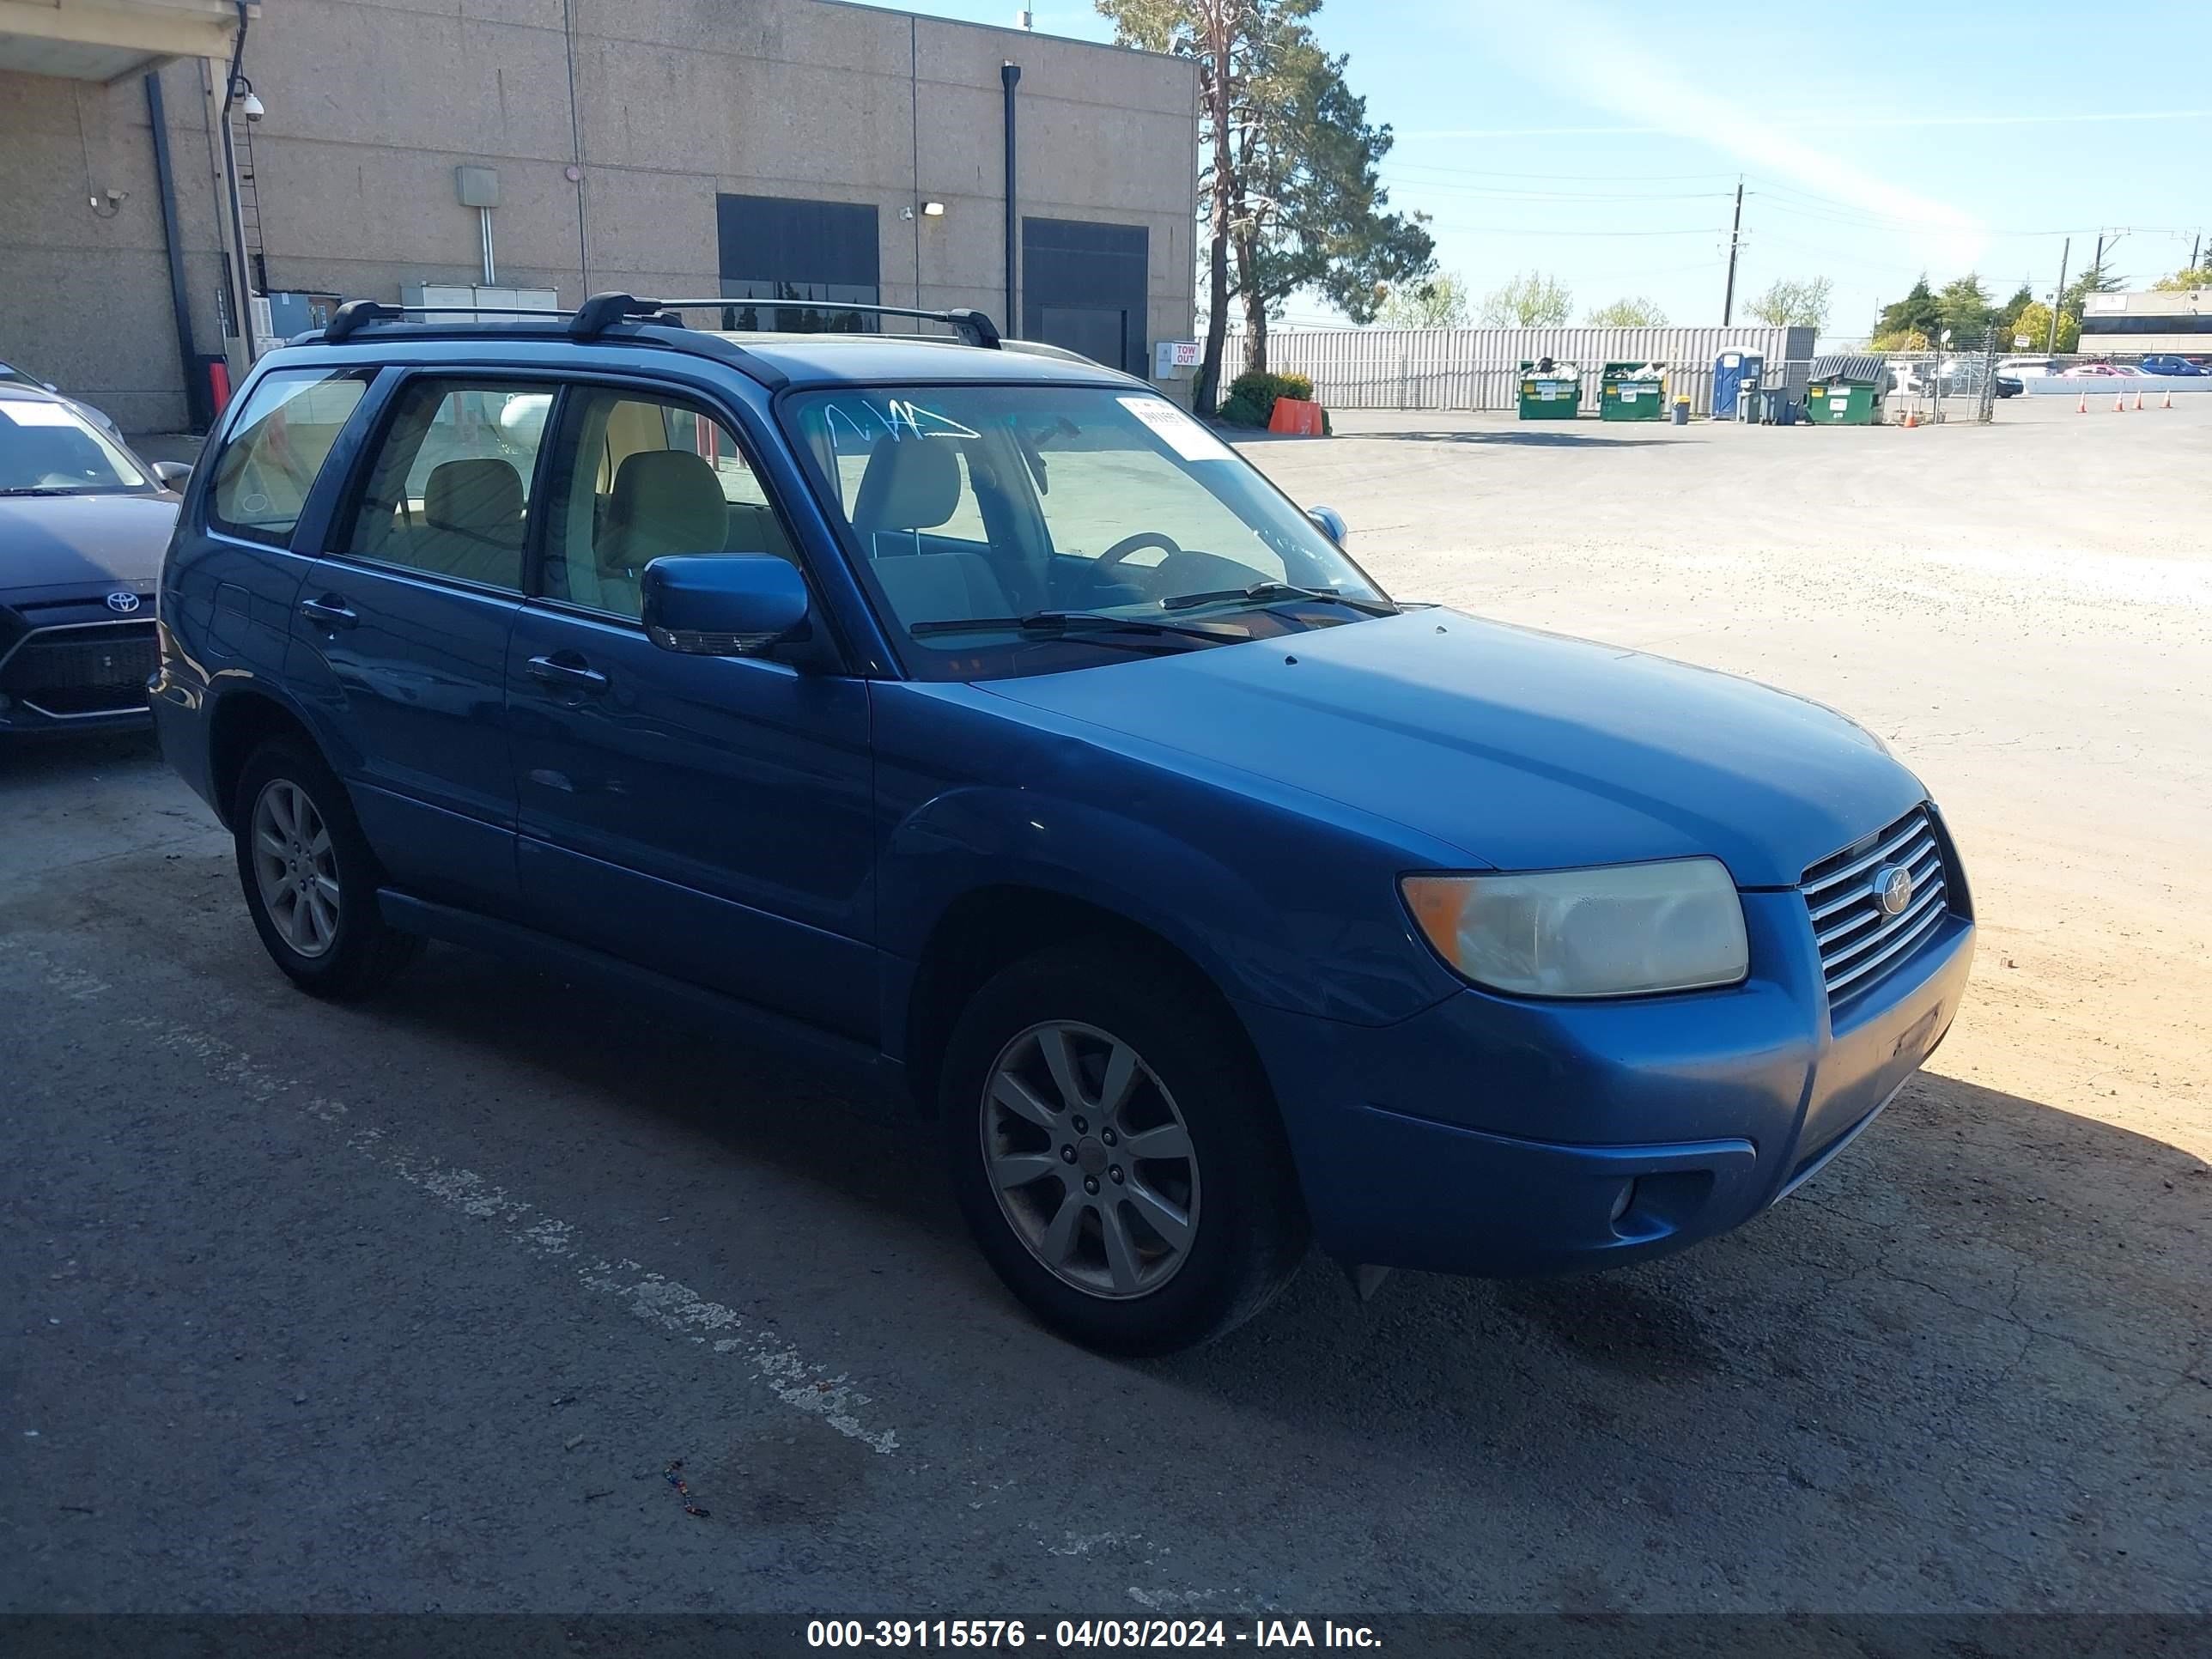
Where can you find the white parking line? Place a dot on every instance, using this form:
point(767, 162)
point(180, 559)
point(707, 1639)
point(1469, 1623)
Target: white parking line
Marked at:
point(779, 1368)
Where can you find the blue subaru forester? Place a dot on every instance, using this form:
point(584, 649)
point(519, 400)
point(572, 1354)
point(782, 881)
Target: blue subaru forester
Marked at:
point(968, 717)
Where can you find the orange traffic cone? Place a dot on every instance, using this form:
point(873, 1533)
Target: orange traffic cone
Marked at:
point(2168, 404)
point(2082, 407)
point(2138, 397)
point(2119, 402)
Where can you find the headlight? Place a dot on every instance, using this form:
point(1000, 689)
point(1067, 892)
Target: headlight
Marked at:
point(1617, 931)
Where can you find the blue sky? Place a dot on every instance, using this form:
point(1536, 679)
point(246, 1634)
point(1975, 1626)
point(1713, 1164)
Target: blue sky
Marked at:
point(1599, 142)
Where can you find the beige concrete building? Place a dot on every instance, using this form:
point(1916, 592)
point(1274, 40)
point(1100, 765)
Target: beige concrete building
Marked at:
point(804, 151)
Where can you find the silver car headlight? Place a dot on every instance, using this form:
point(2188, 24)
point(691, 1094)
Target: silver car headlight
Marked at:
point(1618, 930)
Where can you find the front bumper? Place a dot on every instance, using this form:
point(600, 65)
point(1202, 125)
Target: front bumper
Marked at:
point(1495, 1136)
point(75, 668)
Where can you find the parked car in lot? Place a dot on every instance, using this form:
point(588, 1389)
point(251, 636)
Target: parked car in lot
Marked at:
point(2097, 372)
point(11, 375)
point(2026, 369)
point(2169, 363)
point(84, 524)
point(2008, 385)
point(975, 721)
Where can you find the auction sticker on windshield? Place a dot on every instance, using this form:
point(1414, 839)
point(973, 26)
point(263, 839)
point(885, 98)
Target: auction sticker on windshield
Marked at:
point(1184, 435)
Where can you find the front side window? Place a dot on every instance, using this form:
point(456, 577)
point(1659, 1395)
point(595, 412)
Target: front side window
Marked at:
point(1023, 529)
point(640, 476)
point(276, 449)
point(47, 448)
point(449, 490)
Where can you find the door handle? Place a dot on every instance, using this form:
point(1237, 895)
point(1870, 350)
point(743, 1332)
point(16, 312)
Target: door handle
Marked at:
point(329, 612)
point(569, 670)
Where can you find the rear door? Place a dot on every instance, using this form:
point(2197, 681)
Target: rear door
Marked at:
point(707, 817)
point(401, 629)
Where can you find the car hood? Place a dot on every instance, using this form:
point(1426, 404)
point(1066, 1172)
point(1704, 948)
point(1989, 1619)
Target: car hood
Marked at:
point(46, 541)
point(1529, 751)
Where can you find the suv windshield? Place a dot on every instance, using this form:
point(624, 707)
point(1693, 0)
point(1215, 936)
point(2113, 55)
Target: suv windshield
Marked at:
point(49, 449)
point(1009, 530)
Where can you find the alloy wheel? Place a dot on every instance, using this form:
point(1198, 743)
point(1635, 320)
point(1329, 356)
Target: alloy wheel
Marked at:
point(295, 867)
point(1090, 1160)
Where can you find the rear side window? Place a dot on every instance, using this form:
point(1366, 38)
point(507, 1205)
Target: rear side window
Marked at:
point(276, 449)
point(449, 493)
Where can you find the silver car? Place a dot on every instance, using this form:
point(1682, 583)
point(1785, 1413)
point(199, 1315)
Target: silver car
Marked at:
point(84, 524)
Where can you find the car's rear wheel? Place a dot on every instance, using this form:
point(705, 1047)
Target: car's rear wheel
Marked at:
point(309, 878)
point(1116, 1153)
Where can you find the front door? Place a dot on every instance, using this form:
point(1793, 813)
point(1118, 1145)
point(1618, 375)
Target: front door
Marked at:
point(706, 817)
point(405, 624)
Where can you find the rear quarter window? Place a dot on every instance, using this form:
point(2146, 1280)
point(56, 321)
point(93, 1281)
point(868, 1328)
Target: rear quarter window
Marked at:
point(276, 449)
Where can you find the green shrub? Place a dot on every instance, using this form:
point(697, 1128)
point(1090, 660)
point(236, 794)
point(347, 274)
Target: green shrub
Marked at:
point(1238, 410)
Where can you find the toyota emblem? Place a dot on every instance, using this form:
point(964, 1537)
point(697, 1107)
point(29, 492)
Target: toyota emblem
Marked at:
point(1892, 889)
point(125, 602)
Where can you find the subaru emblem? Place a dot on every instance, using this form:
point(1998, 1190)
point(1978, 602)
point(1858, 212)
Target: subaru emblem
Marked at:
point(1892, 889)
point(125, 602)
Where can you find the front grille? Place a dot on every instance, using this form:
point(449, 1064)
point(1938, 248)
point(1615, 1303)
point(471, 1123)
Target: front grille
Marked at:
point(1858, 943)
point(96, 669)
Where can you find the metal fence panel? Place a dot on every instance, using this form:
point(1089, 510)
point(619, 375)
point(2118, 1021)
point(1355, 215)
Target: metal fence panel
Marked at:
point(1480, 367)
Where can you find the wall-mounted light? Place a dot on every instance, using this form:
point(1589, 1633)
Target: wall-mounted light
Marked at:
point(933, 209)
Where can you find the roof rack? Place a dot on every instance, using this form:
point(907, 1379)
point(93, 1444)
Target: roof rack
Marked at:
point(602, 311)
point(353, 315)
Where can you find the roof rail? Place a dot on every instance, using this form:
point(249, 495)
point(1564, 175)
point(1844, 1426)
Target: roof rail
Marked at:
point(355, 315)
point(603, 311)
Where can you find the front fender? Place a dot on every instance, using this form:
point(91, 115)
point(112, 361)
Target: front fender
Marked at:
point(1290, 908)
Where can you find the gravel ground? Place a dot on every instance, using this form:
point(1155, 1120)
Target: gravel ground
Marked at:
point(407, 1306)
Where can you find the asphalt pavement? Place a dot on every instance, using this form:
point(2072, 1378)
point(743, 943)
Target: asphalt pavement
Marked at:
point(409, 1305)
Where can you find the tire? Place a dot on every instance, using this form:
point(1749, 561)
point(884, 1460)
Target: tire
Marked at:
point(1073, 1012)
point(331, 942)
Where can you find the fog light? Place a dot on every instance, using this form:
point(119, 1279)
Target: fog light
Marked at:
point(1622, 1200)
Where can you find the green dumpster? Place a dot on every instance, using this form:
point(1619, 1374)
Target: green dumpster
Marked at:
point(1846, 391)
point(1633, 392)
point(1550, 391)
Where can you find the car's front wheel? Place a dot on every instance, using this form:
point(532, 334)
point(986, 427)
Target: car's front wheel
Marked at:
point(309, 878)
point(1115, 1153)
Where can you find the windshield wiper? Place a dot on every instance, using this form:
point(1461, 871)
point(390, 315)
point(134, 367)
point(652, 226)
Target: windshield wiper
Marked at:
point(1072, 622)
point(1270, 592)
point(39, 490)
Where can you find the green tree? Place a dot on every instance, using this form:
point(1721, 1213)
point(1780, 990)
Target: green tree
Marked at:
point(1288, 190)
point(2094, 279)
point(2182, 281)
point(2007, 315)
point(1437, 301)
point(1899, 339)
point(1795, 304)
point(2034, 321)
point(1965, 309)
point(1534, 300)
point(1916, 312)
point(1628, 314)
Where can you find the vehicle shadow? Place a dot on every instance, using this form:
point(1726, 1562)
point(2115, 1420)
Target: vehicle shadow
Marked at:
point(690, 1074)
point(1986, 1304)
point(1988, 1316)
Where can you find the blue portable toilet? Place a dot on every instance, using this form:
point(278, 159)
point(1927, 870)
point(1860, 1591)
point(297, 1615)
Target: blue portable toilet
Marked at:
point(1733, 371)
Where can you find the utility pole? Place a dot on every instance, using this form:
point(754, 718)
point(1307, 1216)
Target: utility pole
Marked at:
point(1736, 233)
point(2058, 297)
point(2195, 249)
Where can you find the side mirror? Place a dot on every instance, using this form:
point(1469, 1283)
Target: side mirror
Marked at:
point(723, 605)
point(175, 474)
point(1331, 522)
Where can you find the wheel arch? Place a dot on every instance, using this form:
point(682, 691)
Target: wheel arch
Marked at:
point(241, 723)
point(988, 929)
